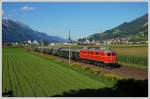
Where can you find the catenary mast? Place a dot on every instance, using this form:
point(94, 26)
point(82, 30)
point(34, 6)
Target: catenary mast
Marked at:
point(69, 46)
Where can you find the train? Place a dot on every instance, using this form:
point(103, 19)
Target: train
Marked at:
point(100, 57)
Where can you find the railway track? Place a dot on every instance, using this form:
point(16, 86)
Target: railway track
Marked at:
point(130, 72)
point(126, 71)
point(123, 70)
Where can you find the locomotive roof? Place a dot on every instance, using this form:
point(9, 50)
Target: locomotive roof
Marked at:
point(66, 49)
point(92, 49)
point(101, 49)
point(78, 50)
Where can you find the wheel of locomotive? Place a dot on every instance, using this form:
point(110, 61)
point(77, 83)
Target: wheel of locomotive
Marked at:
point(106, 65)
point(109, 66)
point(95, 63)
point(103, 65)
point(100, 64)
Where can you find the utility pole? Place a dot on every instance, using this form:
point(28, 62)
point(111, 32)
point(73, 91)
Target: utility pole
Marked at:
point(86, 39)
point(69, 46)
point(25, 47)
point(41, 46)
point(30, 47)
point(100, 40)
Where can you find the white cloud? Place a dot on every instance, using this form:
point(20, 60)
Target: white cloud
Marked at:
point(27, 8)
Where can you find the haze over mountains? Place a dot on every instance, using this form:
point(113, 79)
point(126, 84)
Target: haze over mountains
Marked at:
point(136, 30)
point(13, 31)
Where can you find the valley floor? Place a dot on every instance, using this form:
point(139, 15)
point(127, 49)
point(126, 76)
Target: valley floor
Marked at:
point(26, 74)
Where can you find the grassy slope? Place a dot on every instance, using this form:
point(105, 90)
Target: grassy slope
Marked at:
point(28, 75)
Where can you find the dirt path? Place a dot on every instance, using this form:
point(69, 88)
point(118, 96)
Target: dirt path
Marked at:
point(124, 70)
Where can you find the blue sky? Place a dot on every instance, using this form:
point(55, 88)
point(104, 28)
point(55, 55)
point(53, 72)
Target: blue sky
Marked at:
point(82, 18)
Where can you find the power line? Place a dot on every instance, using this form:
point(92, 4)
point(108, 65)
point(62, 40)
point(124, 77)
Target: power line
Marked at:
point(69, 46)
point(41, 46)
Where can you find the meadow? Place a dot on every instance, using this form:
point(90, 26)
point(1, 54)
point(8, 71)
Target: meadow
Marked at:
point(30, 74)
point(133, 56)
point(25, 74)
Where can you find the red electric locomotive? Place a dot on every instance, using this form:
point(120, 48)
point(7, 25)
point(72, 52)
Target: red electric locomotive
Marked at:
point(105, 56)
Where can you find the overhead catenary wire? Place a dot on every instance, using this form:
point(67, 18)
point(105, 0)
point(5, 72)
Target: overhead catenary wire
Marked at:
point(100, 40)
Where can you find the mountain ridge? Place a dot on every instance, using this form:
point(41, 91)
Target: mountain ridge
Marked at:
point(135, 30)
point(15, 31)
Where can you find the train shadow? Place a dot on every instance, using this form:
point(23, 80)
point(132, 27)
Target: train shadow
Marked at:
point(123, 88)
point(116, 65)
point(112, 66)
point(8, 94)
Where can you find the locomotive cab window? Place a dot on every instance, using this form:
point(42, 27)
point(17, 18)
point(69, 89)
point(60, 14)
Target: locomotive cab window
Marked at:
point(108, 54)
point(96, 53)
point(113, 54)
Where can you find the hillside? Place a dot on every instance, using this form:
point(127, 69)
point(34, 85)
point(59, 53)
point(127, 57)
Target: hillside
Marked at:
point(15, 32)
point(136, 30)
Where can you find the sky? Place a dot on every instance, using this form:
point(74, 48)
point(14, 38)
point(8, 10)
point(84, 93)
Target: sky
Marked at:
point(81, 18)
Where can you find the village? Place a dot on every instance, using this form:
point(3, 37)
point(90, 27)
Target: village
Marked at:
point(115, 41)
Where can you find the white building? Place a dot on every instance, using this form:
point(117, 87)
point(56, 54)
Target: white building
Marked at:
point(29, 42)
point(65, 43)
point(51, 44)
point(35, 42)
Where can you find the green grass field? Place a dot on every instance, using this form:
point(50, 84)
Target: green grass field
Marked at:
point(134, 56)
point(25, 74)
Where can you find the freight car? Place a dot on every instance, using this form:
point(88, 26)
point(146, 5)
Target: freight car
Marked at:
point(99, 57)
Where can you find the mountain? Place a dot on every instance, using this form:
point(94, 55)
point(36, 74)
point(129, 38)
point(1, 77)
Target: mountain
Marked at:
point(136, 30)
point(13, 31)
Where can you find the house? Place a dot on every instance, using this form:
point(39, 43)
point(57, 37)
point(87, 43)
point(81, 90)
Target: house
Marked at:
point(29, 42)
